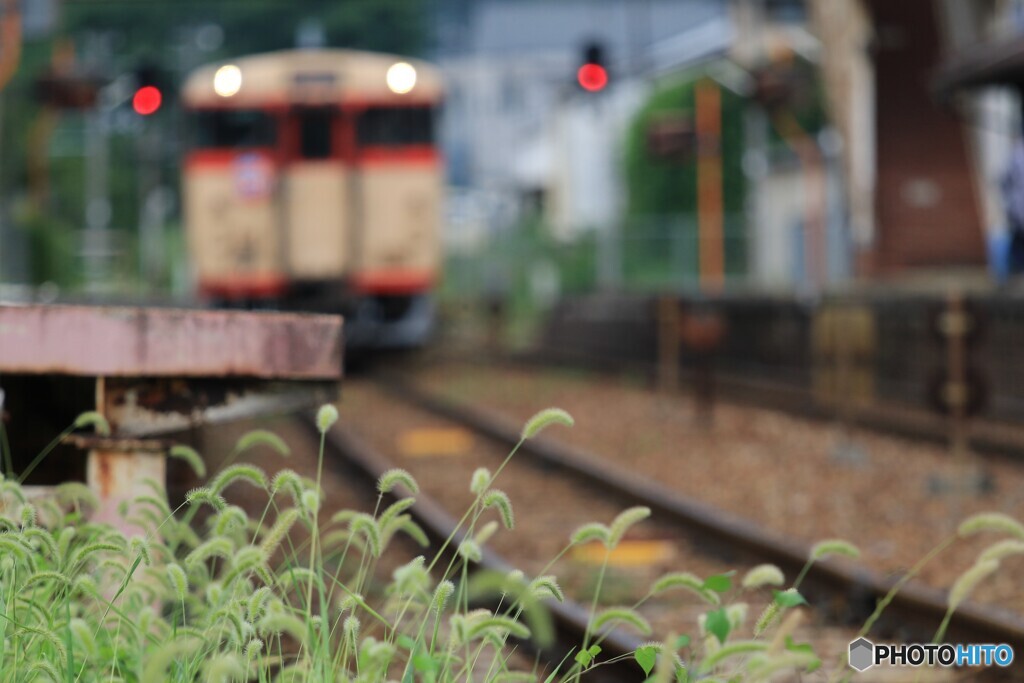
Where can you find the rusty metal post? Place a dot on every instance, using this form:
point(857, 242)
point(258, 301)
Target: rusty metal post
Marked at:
point(957, 391)
point(116, 470)
point(956, 326)
point(702, 331)
point(668, 344)
point(848, 337)
point(843, 324)
point(495, 310)
point(119, 476)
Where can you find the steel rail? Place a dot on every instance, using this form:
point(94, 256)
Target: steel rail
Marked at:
point(914, 613)
point(570, 618)
point(988, 437)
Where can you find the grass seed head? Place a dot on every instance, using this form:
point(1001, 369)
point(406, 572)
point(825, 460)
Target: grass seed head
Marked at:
point(544, 419)
point(242, 472)
point(996, 522)
point(190, 456)
point(326, 417)
point(969, 580)
point(499, 500)
point(592, 531)
point(93, 419)
point(763, 575)
point(442, 593)
point(622, 615)
point(262, 437)
point(624, 521)
point(1002, 549)
point(835, 546)
point(351, 628)
point(395, 476)
point(480, 480)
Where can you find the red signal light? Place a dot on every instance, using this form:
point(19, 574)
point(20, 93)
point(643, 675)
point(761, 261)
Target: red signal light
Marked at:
point(147, 100)
point(592, 77)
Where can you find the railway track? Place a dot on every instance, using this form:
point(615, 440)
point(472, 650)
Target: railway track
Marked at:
point(562, 498)
point(351, 471)
point(756, 386)
point(570, 618)
point(987, 437)
point(838, 592)
point(848, 591)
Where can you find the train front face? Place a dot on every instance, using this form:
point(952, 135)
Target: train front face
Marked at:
point(313, 182)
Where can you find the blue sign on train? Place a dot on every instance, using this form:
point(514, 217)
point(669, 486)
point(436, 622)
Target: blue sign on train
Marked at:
point(254, 175)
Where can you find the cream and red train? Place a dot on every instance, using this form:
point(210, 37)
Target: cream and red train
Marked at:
point(313, 181)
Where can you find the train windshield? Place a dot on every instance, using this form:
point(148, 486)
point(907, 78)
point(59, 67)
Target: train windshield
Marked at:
point(227, 128)
point(396, 126)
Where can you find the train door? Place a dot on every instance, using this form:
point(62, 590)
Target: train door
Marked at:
point(315, 197)
point(400, 191)
point(230, 204)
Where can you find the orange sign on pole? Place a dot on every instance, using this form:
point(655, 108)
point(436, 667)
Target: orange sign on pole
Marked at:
point(710, 219)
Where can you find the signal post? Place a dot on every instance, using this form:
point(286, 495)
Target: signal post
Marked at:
point(957, 389)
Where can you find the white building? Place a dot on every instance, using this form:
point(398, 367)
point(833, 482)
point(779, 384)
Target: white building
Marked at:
point(520, 134)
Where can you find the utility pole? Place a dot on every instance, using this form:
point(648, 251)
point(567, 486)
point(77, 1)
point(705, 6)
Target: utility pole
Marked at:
point(710, 219)
point(10, 40)
point(96, 248)
point(10, 57)
point(152, 205)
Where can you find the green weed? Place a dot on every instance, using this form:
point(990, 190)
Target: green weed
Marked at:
point(291, 597)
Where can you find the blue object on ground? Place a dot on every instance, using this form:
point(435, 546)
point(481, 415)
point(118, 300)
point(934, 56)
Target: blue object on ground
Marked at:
point(999, 255)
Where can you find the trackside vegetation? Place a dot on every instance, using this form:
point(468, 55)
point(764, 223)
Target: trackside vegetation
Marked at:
point(290, 595)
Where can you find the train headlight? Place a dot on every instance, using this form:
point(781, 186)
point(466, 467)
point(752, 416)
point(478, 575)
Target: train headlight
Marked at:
point(401, 77)
point(227, 81)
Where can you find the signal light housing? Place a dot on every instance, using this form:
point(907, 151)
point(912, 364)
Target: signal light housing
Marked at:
point(151, 82)
point(592, 77)
point(147, 100)
point(592, 74)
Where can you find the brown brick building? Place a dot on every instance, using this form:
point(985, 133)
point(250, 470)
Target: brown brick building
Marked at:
point(918, 199)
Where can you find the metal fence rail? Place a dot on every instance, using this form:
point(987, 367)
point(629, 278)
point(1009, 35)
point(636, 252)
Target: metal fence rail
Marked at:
point(859, 353)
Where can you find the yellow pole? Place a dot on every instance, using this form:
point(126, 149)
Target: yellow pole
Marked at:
point(710, 232)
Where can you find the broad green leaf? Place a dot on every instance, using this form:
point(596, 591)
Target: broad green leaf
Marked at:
point(646, 657)
point(790, 598)
point(720, 583)
point(717, 624)
point(583, 658)
point(682, 641)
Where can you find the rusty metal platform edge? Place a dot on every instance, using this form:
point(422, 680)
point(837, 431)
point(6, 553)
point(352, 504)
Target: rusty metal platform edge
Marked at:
point(100, 341)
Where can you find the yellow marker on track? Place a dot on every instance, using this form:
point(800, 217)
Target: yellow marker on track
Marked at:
point(434, 441)
point(638, 553)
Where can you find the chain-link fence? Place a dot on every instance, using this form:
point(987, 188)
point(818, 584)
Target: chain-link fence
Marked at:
point(525, 270)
